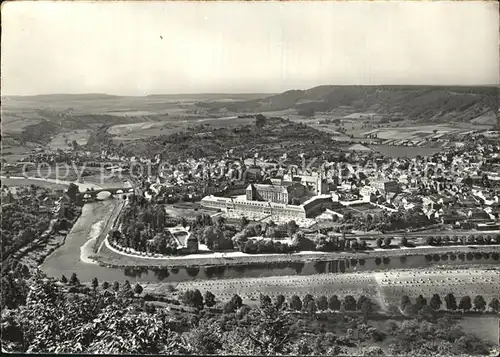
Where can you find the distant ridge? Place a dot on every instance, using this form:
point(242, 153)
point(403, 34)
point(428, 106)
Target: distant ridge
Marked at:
point(58, 97)
point(424, 103)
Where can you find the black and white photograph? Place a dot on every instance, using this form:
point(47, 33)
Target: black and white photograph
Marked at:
point(250, 178)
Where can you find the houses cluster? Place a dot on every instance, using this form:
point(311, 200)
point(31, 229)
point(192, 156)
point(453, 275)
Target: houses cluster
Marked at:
point(459, 187)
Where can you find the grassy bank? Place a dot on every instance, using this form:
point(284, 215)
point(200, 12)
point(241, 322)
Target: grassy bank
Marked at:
point(384, 287)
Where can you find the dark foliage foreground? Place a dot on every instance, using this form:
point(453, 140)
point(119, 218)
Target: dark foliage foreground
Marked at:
point(94, 320)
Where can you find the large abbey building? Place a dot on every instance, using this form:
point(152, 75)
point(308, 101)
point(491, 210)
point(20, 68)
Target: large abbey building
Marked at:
point(281, 197)
point(275, 193)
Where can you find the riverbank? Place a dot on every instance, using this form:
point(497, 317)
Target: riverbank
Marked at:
point(35, 253)
point(86, 250)
point(68, 257)
point(110, 257)
point(22, 180)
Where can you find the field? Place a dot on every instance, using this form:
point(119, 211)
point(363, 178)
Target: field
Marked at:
point(62, 140)
point(484, 327)
point(316, 285)
point(9, 182)
point(144, 130)
point(404, 151)
point(58, 119)
point(386, 287)
point(394, 284)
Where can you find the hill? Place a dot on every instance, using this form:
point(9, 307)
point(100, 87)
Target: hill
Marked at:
point(273, 139)
point(61, 97)
point(420, 103)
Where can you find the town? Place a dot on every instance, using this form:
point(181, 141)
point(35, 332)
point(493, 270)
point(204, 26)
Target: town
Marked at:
point(250, 178)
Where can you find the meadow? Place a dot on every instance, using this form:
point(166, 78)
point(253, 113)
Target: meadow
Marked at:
point(386, 288)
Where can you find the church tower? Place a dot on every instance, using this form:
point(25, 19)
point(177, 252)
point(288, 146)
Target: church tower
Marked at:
point(320, 182)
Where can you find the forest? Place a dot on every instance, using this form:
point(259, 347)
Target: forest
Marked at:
point(65, 317)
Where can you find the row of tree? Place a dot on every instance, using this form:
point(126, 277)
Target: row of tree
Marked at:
point(435, 303)
point(125, 289)
point(479, 239)
point(332, 242)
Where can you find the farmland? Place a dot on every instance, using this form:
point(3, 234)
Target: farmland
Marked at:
point(387, 287)
point(12, 182)
point(63, 140)
point(145, 130)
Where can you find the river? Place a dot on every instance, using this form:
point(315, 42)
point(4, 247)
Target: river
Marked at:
point(75, 256)
point(67, 259)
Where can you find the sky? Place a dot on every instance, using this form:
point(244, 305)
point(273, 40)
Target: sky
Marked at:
point(140, 48)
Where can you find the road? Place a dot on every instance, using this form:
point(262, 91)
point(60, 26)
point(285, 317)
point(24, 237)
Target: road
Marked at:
point(422, 234)
point(113, 218)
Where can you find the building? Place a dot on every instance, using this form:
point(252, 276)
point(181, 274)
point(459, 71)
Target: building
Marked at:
point(274, 193)
point(308, 209)
point(316, 183)
point(386, 186)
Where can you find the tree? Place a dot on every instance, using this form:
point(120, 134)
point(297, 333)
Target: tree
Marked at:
point(237, 301)
point(105, 285)
point(349, 303)
point(243, 222)
point(126, 290)
point(193, 298)
point(138, 289)
point(260, 120)
point(209, 299)
point(379, 242)
point(73, 280)
point(479, 303)
point(322, 303)
point(64, 280)
point(280, 301)
point(206, 338)
point(360, 302)
point(429, 240)
point(292, 227)
point(310, 307)
point(265, 300)
point(73, 191)
point(387, 242)
point(494, 305)
point(367, 308)
point(405, 301)
point(420, 302)
point(334, 303)
point(306, 299)
point(116, 286)
point(95, 283)
point(210, 236)
point(465, 303)
point(270, 331)
point(451, 302)
point(435, 302)
point(404, 241)
point(229, 307)
point(295, 303)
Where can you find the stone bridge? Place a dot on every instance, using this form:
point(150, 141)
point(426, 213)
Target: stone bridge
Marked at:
point(112, 190)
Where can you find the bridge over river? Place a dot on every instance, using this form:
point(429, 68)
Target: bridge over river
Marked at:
point(92, 193)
